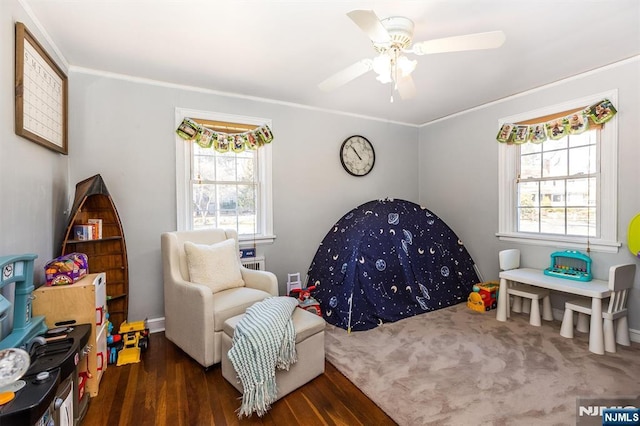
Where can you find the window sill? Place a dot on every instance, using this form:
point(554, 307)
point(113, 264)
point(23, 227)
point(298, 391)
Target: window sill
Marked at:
point(598, 245)
point(251, 241)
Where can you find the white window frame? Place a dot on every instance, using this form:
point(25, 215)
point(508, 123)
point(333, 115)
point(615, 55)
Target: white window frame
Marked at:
point(183, 175)
point(608, 183)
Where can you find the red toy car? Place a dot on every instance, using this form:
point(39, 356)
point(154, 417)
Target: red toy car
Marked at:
point(306, 301)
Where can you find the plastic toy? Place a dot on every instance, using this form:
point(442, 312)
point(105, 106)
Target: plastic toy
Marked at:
point(135, 336)
point(633, 236)
point(570, 264)
point(66, 269)
point(293, 281)
point(484, 296)
point(114, 342)
point(474, 302)
point(306, 301)
point(82, 381)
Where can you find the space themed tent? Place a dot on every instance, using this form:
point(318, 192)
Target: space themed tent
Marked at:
point(387, 260)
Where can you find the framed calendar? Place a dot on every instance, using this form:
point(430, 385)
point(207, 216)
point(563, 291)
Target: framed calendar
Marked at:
point(41, 94)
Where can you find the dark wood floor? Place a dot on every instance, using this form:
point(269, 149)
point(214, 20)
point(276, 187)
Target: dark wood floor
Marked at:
point(169, 388)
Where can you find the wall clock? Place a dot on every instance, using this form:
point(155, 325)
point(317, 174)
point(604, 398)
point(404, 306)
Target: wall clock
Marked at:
point(357, 155)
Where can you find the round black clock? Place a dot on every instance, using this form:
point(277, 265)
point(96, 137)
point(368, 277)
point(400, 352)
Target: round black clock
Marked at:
point(357, 155)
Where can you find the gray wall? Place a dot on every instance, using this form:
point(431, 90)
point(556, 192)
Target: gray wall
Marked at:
point(124, 130)
point(459, 172)
point(33, 179)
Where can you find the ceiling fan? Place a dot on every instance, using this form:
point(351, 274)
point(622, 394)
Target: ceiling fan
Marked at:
point(392, 38)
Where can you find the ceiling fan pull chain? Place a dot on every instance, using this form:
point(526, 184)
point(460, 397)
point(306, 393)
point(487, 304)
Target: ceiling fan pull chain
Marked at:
point(394, 70)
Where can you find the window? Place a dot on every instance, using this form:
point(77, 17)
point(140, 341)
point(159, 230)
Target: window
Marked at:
point(224, 190)
point(561, 193)
point(557, 185)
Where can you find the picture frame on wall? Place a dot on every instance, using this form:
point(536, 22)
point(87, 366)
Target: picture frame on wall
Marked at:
point(41, 93)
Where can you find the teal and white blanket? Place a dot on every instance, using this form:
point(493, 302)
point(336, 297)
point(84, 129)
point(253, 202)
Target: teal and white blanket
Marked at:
point(263, 340)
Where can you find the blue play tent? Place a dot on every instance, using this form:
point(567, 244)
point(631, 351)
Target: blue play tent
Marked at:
point(387, 260)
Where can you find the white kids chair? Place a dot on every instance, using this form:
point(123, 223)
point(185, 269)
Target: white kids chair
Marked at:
point(293, 282)
point(510, 259)
point(620, 282)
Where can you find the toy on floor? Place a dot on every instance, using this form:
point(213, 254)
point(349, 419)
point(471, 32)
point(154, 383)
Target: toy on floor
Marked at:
point(114, 342)
point(135, 336)
point(306, 301)
point(484, 296)
point(293, 281)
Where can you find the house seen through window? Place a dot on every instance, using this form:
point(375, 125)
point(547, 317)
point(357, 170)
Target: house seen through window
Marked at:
point(557, 186)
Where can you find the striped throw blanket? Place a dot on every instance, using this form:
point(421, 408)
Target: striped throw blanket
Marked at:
point(263, 340)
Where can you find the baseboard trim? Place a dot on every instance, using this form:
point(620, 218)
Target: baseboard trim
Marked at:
point(156, 325)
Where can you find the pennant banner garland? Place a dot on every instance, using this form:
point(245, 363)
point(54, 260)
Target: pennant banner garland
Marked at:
point(224, 142)
point(573, 124)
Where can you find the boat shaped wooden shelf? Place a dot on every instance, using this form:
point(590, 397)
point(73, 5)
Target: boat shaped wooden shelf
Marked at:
point(106, 250)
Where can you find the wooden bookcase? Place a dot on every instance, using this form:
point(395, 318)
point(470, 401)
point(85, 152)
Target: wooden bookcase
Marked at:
point(107, 254)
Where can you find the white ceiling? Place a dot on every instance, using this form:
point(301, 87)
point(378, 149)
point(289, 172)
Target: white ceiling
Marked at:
point(281, 50)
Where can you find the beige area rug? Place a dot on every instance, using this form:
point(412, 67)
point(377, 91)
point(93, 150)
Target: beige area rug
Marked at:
point(455, 366)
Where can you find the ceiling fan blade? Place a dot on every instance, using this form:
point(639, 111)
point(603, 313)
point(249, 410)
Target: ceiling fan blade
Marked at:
point(406, 87)
point(346, 75)
point(488, 40)
point(368, 22)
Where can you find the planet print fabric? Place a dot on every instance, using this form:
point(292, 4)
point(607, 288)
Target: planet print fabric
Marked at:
point(387, 260)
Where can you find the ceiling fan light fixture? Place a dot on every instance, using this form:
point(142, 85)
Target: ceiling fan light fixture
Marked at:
point(406, 66)
point(390, 66)
point(382, 67)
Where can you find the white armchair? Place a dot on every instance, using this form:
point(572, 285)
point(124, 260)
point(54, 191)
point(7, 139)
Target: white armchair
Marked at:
point(194, 314)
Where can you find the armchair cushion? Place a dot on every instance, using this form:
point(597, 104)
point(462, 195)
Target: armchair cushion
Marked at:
point(217, 265)
point(234, 302)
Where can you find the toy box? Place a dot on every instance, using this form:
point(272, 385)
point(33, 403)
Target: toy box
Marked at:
point(66, 269)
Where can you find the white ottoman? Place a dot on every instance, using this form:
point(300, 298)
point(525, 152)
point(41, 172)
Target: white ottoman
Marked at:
point(309, 347)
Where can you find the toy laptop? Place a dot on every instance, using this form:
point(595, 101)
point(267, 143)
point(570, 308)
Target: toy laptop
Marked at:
point(570, 264)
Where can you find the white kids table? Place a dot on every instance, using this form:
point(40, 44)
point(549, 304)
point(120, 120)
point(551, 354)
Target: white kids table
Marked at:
point(596, 289)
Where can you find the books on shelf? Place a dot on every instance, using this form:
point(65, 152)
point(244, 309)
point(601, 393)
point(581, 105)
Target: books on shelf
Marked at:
point(82, 232)
point(97, 224)
point(88, 231)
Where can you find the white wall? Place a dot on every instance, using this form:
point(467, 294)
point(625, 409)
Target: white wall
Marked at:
point(459, 171)
point(33, 179)
point(125, 131)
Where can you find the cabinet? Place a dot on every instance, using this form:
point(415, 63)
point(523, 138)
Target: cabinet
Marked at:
point(107, 252)
point(80, 303)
